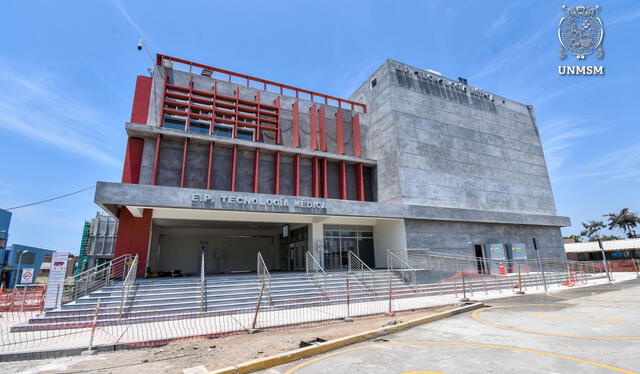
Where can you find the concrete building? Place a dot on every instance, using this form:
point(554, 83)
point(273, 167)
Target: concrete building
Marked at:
point(20, 257)
point(622, 249)
point(5, 221)
point(98, 242)
point(225, 165)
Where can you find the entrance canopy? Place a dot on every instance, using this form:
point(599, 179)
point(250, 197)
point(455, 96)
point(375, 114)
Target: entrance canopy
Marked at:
point(228, 241)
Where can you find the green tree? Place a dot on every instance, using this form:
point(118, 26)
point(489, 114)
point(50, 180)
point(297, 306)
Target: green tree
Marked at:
point(624, 220)
point(592, 230)
point(605, 238)
point(576, 238)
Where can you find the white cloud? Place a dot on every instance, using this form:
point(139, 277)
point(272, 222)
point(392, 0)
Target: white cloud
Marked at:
point(127, 17)
point(561, 137)
point(41, 107)
point(616, 165)
point(503, 19)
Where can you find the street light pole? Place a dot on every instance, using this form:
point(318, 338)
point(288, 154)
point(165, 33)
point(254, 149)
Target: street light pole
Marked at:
point(22, 251)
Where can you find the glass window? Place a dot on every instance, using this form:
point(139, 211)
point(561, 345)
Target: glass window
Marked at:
point(245, 134)
point(222, 131)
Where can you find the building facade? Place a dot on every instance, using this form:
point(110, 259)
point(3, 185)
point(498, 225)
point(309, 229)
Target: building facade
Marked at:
point(19, 257)
point(221, 165)
point(98, 242)
point(5, 221)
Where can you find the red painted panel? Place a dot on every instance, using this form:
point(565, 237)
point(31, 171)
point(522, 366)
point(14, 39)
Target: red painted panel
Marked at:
point(296, 125)
point(141, 97)
point(184, 161)
point(357, 147)
point(233, 167)
point(325, 186)
point(360, 181)
point(132, 161)
point(312, 127)
point(155, 160)
point(133, 237)
point(314, 178)
point(277, 104)
point(343, 180)
point(276, 174)
point(296, 175)
point(339, 133)
point(209, 166)
point(256, 169)
point(321, 121)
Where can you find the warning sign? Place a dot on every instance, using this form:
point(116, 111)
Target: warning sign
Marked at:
point(27, 276)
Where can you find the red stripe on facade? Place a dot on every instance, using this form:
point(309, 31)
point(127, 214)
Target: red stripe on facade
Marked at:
point(339, 133)
point(132, 161)
point(209, 166)
point(155, 160)
point(313, 114)
point(277, 104)
point(141, 97)
point(343, 180)
point(296, 175)
point(321, 122)
point(234, 155)
point(276, 174)
point(357, 148)
point(256, 169)
point(360, 181)
point(257, 134)
point(296, 125)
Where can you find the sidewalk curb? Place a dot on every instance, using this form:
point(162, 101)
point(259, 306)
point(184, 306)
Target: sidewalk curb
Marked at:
point(297, 354)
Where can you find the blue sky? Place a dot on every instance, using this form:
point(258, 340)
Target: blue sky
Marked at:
point(67, 73)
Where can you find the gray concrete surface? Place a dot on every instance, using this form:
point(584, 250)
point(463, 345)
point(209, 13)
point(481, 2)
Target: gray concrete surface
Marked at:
point(585, 330)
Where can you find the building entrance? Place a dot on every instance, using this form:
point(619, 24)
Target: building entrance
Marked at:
point(340, 239)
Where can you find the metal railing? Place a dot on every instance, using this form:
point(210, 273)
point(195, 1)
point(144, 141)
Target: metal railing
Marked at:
point(360, 270)
point(82, 284)
point(127, 285)
point(401, 269)
point(317, 273)
point(203, 284)
point(266, 85)
point(263, 276)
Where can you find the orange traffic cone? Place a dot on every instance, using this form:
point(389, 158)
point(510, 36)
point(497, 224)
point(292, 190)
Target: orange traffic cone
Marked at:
point(502, 271)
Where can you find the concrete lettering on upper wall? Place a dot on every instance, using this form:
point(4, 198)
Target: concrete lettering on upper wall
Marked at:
point(258, 203)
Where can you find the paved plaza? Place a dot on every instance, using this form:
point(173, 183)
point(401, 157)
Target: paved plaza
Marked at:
point(582, 330)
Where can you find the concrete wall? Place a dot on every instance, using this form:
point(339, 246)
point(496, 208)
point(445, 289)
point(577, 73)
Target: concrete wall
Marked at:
point(459, 237)
point(443, 148)
point(171, 147)
point(388, 234)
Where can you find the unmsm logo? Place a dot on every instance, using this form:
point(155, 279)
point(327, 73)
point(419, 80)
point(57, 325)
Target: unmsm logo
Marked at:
point(580, 70)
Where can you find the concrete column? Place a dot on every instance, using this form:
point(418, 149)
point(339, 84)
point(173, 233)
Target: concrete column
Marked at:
point(316, 236)
point(388, 234)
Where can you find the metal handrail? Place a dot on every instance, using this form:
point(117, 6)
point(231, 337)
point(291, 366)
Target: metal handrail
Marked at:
point(81, 284)
point(361, 271)
point(203, 285)
point(263, 275)
point(317, 273)
point(401, 269)
point(128, 283)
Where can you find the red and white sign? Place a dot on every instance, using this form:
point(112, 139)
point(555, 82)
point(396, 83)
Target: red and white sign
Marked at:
point(55, 287)
point(27, 276)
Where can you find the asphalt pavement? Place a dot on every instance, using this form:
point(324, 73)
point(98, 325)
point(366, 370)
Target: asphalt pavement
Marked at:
point(579, 330)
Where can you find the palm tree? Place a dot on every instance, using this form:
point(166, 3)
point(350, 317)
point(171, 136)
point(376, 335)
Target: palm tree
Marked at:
point(592, 230)
point(625, 221)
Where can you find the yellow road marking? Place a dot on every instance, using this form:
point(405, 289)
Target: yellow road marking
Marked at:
point(474, 315)
point(599, 318)
point(481, 345)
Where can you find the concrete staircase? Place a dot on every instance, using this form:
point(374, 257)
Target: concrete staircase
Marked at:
point(152, 299)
